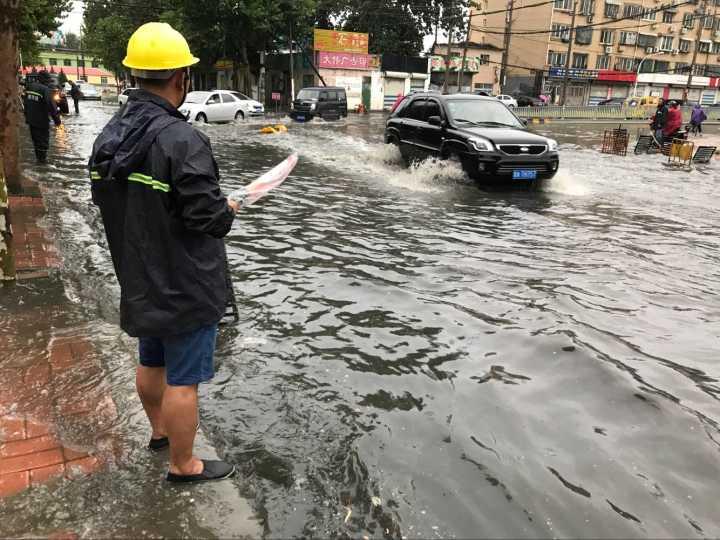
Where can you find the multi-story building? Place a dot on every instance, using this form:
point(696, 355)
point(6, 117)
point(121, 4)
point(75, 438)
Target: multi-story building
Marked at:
point(482, 61)
point(617, 44)
point(75, 65)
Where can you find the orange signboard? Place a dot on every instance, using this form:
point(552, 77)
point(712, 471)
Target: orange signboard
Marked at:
point(335, 41)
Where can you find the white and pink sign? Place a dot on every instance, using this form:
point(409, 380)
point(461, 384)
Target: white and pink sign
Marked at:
point(339, 60)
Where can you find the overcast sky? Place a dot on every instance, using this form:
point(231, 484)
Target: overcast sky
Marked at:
point(73, 21)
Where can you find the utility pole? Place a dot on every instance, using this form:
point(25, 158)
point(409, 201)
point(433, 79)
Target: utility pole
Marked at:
point(447, 55)
point(9, 99)
point(292, 67)
point(461, 69)
point(701, 23)
point(506, 45)
point(566, 75)
point(82, 57)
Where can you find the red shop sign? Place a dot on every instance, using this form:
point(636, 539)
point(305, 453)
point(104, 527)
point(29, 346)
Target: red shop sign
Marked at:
point(617, 76)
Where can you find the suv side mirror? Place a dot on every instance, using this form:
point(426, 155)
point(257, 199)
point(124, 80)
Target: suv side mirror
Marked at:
point(435, 121)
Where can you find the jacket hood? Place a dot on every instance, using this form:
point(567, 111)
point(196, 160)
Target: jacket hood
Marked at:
point(125, 141)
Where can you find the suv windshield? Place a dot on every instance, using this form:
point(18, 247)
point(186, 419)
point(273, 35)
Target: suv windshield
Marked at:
point(308, 94)
point(483, 112)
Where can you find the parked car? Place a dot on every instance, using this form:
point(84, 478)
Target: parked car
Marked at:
point(482, 93)
point(88, 91)
point(218, 106)
point(528, 101)
point(507, 100)
point(490, 142)
point(327, 102)
point(124, 95)
point(618, 102)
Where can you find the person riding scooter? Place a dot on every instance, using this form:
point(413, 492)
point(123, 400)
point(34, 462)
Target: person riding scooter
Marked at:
point(673, 123)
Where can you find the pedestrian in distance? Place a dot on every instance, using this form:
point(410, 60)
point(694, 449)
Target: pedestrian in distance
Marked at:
point(75, 94)
point(697, 118)
point(38, 104)
point(658, 121)
point(673, 121)
point(156, 183)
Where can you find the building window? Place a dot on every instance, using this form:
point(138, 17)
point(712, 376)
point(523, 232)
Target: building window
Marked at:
point(704, 46)
point(560, 32)
point(95, 64)
point(649, 14)
point(628, 38)
point(602, 62)
point(661, 66)
point(712, 71)
point(699, 70)
point(709, 21)
point(647, 66)
point(52, 61)
point(684, 45)
point(67, 62)
point(646, 40)
point(587, 7)
point(607, 37)
point(565, 5)
point(612, 11)
point(632, 11)
point(103, 80)
point(681, 67)
point(580, 60)
point(668, 16)
point(688, 20)
point(666, 43)
point(627, 64)
point(716, 47)
point(583, 35)
point(556, 59)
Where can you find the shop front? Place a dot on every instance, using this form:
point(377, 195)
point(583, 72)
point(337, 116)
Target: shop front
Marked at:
point(611, 84)
point(670, 86)
point(578, 89)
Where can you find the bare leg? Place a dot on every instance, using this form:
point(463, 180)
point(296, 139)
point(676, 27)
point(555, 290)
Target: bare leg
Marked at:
point(180, 414)
point(150, 383)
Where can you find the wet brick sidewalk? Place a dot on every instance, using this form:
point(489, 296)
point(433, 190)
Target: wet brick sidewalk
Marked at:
point(44, 375)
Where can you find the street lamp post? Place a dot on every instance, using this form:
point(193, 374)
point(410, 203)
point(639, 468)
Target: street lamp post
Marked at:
point(637, 74)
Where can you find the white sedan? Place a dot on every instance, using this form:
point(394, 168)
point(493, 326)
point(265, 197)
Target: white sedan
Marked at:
point(124, 95)
point(507, 100)
point(219, 106)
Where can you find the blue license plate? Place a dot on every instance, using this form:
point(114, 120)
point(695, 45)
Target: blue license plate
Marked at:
point(300, 118)
point(524, 174)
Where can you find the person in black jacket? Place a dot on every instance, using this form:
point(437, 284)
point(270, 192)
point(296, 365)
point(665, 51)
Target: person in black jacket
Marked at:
point(75, 94)
point(38, 104)
point(658, 120)
point(156, 183)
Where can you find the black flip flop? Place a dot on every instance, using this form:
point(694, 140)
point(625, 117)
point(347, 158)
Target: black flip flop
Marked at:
point(212, 470)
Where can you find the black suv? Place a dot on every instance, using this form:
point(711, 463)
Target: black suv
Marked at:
point(486, 137)
point(327, 102)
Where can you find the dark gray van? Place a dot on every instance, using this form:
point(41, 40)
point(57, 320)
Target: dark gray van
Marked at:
point(327, 102)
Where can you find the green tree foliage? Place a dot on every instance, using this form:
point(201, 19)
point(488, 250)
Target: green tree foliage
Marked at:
point(72, 41)
point(38, 17)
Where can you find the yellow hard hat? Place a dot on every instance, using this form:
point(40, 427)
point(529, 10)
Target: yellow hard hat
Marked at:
point(156, 50)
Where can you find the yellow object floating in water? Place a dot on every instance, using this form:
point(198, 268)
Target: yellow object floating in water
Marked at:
point(269, 130)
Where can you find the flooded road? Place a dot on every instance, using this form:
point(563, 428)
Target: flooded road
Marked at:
point(419, 358)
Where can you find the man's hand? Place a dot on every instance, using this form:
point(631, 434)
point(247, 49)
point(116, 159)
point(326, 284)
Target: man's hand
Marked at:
point(234, 205)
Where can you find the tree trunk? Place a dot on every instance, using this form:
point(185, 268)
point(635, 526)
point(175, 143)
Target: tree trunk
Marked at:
point(7, 263)
point(9, 99)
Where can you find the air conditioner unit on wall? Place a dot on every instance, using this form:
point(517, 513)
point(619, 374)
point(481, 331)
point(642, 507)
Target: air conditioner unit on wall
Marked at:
point(650, 50)
point(674, 52)
point(608, 49)
point(589, 18)
point(684, 30)
point(653, 25)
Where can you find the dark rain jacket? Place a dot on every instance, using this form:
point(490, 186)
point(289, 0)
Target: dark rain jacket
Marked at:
point(660, 117)
point(38, 104)
point(156, 183)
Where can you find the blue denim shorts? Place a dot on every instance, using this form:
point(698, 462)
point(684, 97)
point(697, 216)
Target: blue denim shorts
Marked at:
point(187, 358)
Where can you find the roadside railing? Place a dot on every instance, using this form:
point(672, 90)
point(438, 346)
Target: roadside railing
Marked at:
point(603, 113)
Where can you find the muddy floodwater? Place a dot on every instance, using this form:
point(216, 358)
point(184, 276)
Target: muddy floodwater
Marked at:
point(417, 357)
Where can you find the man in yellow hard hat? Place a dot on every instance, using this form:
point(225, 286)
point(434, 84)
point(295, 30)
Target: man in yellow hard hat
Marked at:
point(155, 181)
